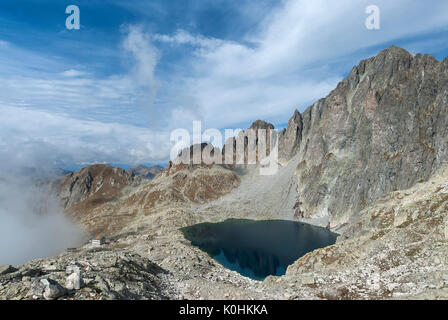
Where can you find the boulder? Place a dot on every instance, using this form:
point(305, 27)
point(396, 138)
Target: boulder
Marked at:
point(53, 289)
point(74, 281)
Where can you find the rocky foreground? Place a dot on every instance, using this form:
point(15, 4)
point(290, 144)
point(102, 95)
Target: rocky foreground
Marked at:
point(396, 249)
point(368, 162)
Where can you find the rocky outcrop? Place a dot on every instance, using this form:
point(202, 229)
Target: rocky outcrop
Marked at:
point(106, 200)
point(107, 274)
point(382, 129)
point(197, 155)
point(145, 172)
point(187, 183)
point(260, 124)
point(91, 194)
point(249, 140)
point(394, 249)
point(94, 184)
point(289, 139)
point(51, 289)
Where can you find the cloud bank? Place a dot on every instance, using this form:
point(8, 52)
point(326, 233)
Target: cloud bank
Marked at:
point(41, 139)
point(32, 223)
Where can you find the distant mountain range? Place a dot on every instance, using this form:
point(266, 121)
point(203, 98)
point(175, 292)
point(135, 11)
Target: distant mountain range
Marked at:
point(37, 174)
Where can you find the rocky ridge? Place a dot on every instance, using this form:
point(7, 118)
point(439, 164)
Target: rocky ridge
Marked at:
point(381, 130)
point(145, 172)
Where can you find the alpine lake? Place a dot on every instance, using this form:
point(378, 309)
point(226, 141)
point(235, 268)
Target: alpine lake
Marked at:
point(257, 249)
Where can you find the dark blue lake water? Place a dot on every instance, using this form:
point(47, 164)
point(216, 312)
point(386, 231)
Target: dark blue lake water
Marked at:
point(257, 249)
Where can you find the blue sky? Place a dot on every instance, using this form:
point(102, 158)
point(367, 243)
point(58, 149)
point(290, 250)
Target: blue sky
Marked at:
point(115, 89)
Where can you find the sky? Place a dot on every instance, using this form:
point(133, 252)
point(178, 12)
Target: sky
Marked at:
point(113, 90)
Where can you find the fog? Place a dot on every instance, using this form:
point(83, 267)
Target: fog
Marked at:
point(32, 224)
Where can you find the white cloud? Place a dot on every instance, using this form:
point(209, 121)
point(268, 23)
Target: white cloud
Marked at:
point(76, 117)
point(184, 37)
point(146, 56)
point(288, 61)
point(74, 73)
point(81, 94)
point(36, 138)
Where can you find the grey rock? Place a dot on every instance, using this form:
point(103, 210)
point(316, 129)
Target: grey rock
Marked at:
point(36, 289)
point(243, 138)
point(260, 124)
point(74, 281)
point(53, 289)
point(290, 137)
point(382, 129)
point(80, 186)
point(45, 282)
point(101, 284)
point(5, 269)
point(194, 154)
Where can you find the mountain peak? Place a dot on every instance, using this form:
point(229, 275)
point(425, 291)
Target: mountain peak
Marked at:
point(395, 50)
point(260, 124)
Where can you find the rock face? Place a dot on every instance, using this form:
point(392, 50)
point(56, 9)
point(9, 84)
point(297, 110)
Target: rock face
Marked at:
point(105, 200)
point(89, 196)
point(260, 124)
point(95, 184)
point(290, 137)
point(395, 248)
point(382, 129)
point(249, 140)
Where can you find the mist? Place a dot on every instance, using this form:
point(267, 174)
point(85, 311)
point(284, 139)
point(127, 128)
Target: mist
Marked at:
point(32, 223)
